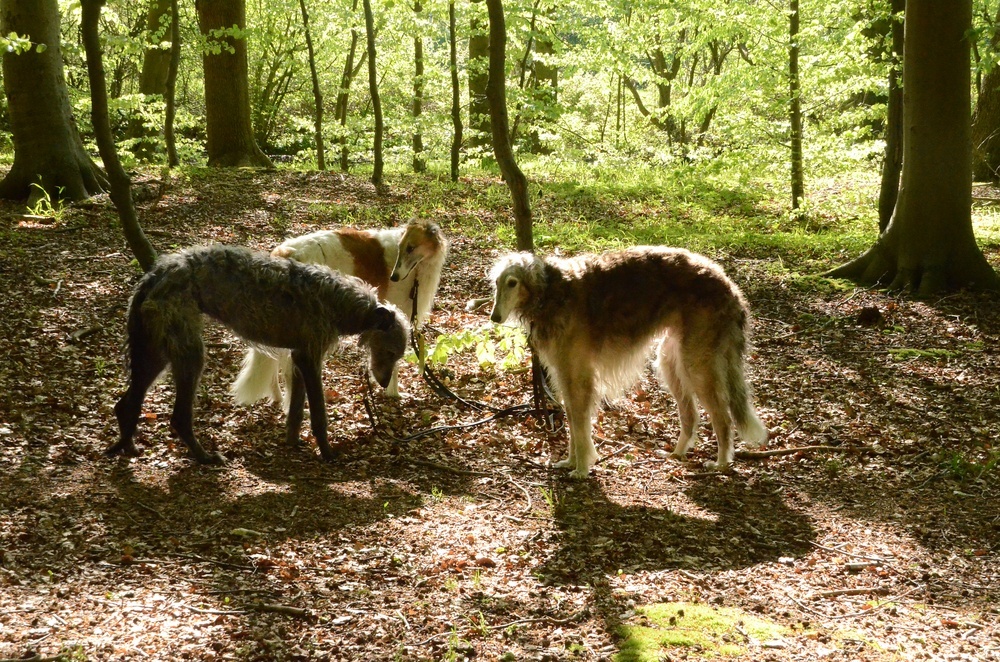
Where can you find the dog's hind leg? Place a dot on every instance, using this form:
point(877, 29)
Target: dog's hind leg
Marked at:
point(310, 369)
point(187, 360)
point(577, 384)
point(145, 365)
point(671, 371)
point(711, 387)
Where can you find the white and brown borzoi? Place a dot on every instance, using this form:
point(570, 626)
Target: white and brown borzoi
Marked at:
point(592, 320)
point(273, 302)
point(390, 260)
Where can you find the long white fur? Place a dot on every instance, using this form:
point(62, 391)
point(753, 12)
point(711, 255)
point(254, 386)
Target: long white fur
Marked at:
point(263, 368)
point(583, 376)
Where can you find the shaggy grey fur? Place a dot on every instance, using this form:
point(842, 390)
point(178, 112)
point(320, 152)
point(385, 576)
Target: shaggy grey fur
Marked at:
point(267, 301)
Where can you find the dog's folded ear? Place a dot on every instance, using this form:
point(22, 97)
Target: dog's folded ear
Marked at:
point(385, 318)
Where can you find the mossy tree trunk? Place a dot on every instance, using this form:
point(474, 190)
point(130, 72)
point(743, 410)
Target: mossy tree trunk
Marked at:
point(49, 156)
point(171, 87)
point(929, 245)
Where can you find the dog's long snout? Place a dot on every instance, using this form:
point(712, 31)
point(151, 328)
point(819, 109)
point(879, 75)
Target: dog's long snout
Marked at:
point(496, 317)
point(394, 277)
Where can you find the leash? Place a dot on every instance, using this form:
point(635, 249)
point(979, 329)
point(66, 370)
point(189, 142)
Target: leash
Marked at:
point(539, 405)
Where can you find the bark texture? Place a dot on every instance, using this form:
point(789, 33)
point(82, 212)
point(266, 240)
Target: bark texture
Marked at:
point(121, 185)
point(929, 245)
point(48, 150)
point(456, 101)
point(893, 163)
point(317, 92)
point(373, 89)
point(230, 138)
point(496, 93)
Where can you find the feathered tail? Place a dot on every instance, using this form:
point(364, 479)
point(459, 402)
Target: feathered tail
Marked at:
point(749, 426)
point(258, 379)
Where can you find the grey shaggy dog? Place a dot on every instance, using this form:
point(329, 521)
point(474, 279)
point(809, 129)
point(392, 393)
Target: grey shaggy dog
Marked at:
point(269, 302)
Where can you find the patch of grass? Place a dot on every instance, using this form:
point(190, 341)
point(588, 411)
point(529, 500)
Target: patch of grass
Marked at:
point(964, 469)
point(909, 353)
point(695, 629)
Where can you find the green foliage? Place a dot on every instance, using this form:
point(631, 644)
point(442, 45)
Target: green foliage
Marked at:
point(964, 469)
point(498, 347)
point(46, 205)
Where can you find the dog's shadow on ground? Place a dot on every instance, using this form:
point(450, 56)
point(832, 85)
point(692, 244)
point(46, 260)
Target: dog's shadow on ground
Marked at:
point(742, 523)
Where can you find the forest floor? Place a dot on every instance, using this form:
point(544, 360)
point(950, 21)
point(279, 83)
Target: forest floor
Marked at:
point(882, 545)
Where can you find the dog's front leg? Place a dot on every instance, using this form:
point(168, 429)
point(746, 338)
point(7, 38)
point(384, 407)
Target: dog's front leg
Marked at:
point(310, 369)
point(579, 402)
point(296, 400)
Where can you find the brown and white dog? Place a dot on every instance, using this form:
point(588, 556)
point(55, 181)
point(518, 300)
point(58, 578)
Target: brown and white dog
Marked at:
point(390, 260)
point(592, 320)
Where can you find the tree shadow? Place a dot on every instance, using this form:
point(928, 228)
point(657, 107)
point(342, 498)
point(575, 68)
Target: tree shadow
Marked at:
point(743, 522)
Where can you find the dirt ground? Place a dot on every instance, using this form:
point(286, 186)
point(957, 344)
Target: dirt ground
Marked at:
point(881, 545)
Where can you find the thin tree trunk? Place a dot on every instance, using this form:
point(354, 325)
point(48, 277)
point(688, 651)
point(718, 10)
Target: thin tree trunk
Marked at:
point(171, 88)
point(317, 92)
point(373, 88)
point(152, 78)
point(497, 96)
point(343, 95)
point(456, 99)
point(121, 186)
point(795, 110)
point(893, 163)
point(419, 164)
point(986, 120)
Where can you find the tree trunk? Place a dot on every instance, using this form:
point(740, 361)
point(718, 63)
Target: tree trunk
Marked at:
point(986, 120)
point(795, 109)
point(231, 141)
point(929, 244)
point(171, 88)
point(479, 54)
point(893, 163)
point(373, 89)
point(317, 92)
point(48, 151)
point(121, 186)
point(456, 99)
point(496, 93)
point(419, 164)
point(152, 78)
point(343, 95)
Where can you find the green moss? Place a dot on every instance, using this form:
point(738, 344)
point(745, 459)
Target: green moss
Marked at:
point(701, 630)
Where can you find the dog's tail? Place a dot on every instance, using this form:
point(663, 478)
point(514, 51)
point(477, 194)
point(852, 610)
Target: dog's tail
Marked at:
point(258, 379)
point(741, 406)
point(139, 341)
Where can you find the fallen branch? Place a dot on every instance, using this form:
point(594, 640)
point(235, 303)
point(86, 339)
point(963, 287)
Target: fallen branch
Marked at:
point(285, 610)
point(38, 658)
point(753, 455)
point(877, 590)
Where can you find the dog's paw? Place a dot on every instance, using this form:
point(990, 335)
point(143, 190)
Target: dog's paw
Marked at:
point(214, 459)
point(563, 464)
point(579, 474)
point(123, 450)
point(721, 467)
point(680, 457)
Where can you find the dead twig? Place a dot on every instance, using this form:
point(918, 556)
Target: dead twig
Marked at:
point(297, 612)
point(754, 455)
point(877, 590)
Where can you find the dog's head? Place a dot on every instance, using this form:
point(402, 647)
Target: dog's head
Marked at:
point(386, 342)
point(422, 239)
point(515, 277)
